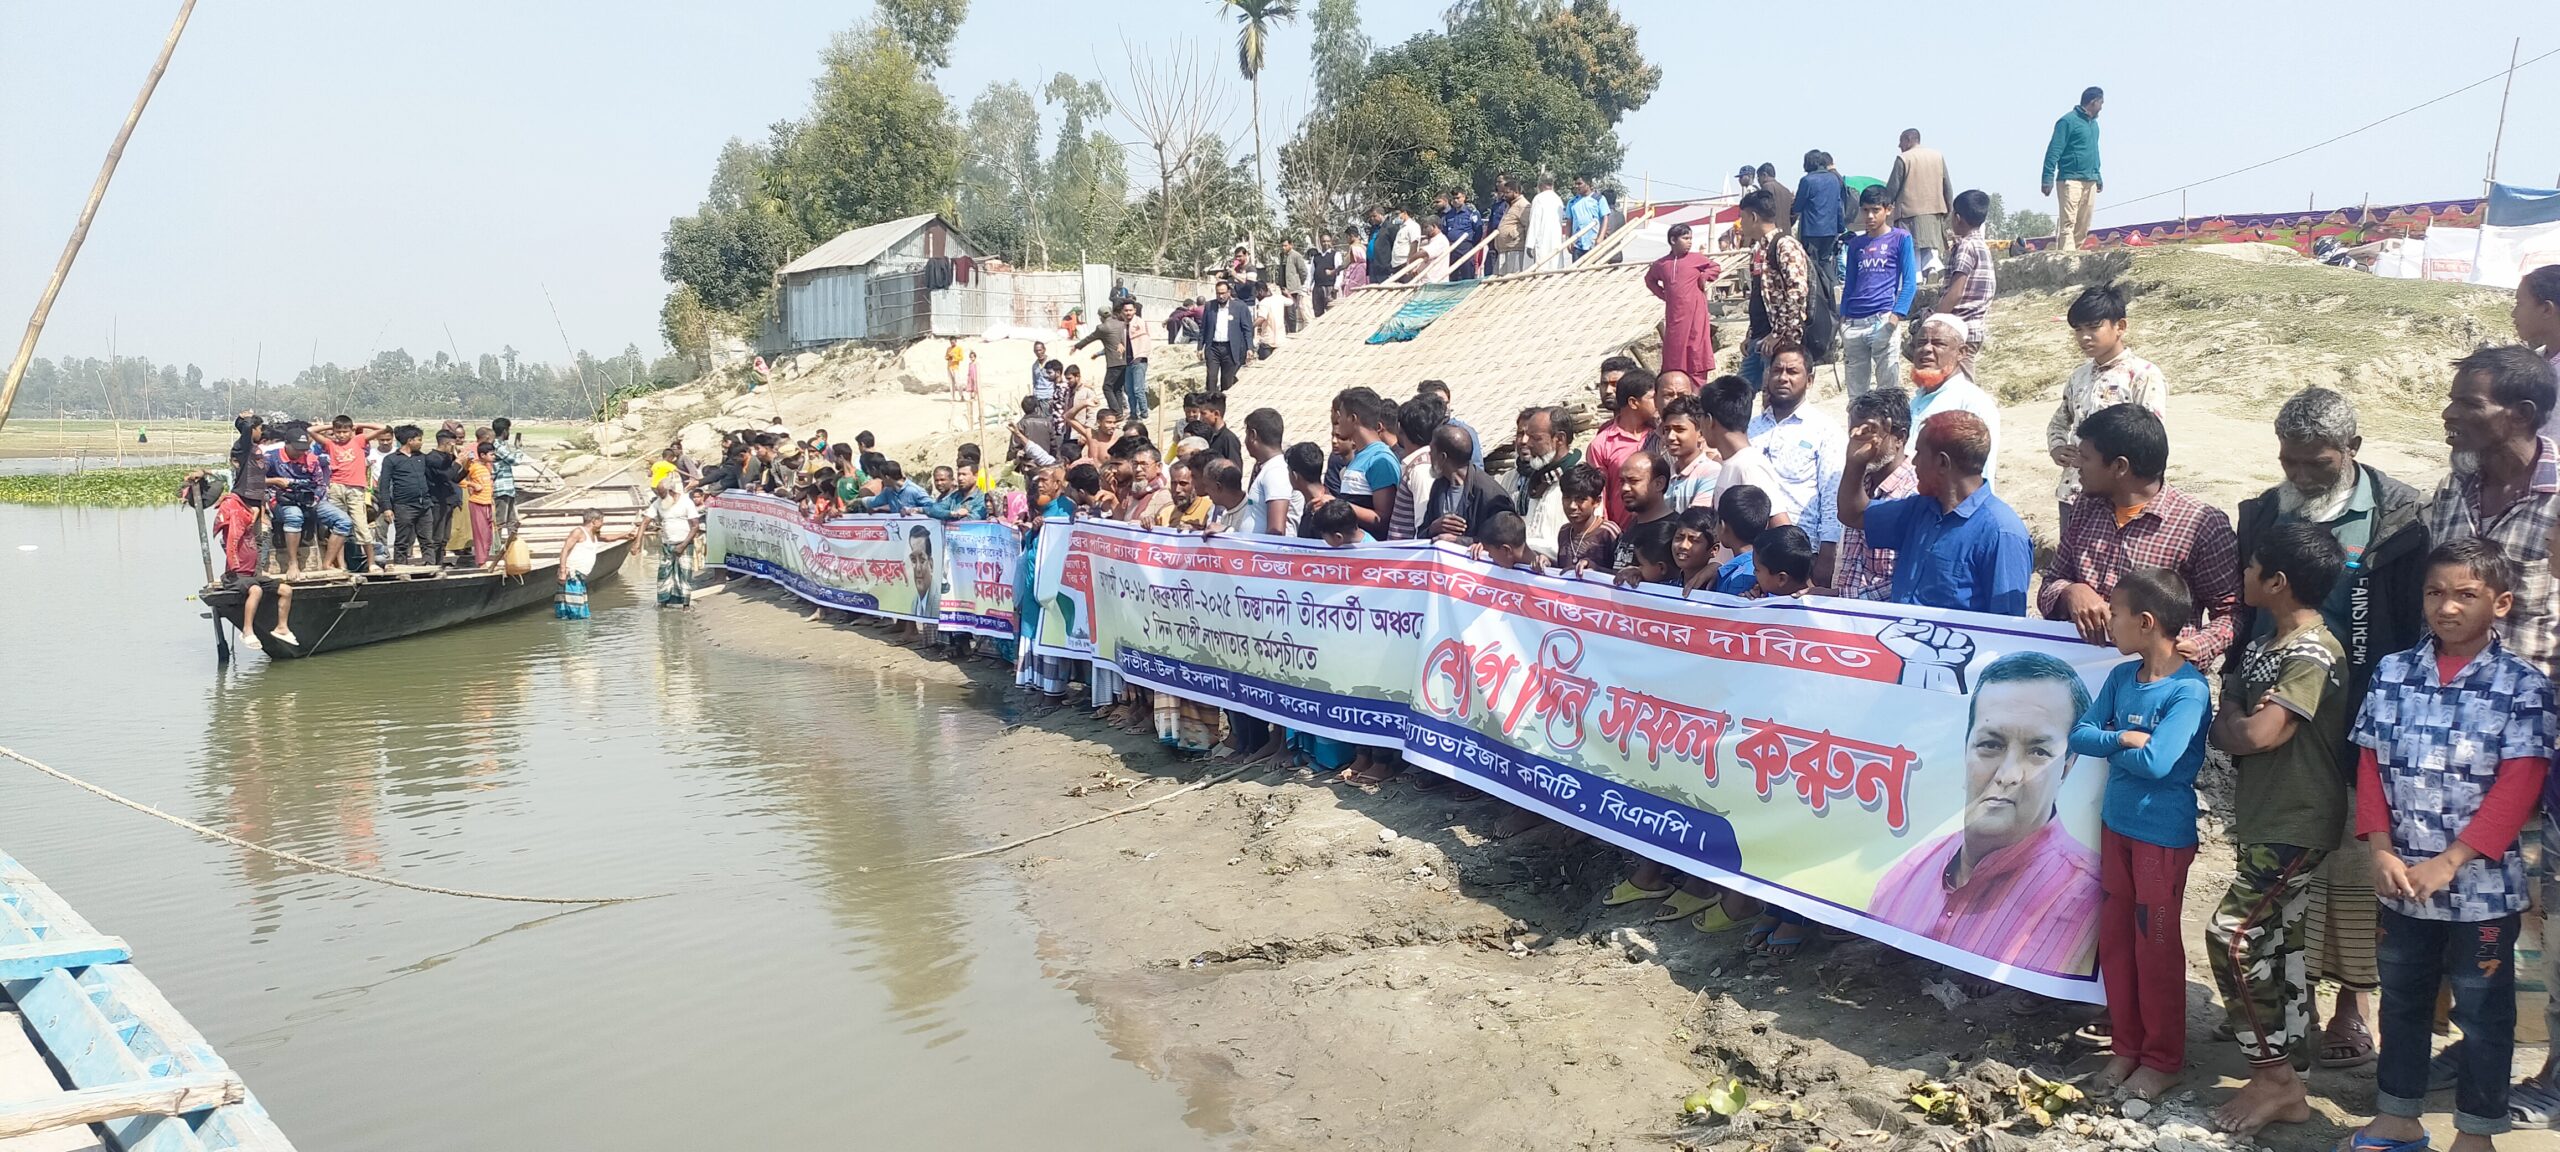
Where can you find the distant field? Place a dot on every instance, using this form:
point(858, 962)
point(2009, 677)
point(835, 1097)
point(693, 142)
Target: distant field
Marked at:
point(178, 439)
point(170, 440)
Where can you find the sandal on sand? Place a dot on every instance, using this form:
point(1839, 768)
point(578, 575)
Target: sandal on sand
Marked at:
point(1758, 934)
point(1681, 906)
point(1715, 921)
point(2098, 1033)
point(2533, 1103)
point(1627, 893)
point(1780, 946)
point(2354, 1050)
point(2358, 1141)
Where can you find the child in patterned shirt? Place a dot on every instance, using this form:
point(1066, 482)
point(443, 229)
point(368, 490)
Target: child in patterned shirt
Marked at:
point(2456, 738)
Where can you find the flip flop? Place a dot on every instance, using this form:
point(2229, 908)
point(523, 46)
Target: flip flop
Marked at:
point(1715, 921)
point(1777, 949)
point(1681, 906)
point(2533, 1104)
point(2358, 1049)
point(1758, 933)
point(2358, 1141)
point(1627, 893)
point(2098, 1033)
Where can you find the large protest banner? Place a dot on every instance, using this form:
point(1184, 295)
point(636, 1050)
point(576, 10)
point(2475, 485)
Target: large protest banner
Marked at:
point(878, 565)
point(1898, 772)
point(979, 561)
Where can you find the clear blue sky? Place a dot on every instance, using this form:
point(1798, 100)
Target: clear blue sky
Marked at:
point(363, 174)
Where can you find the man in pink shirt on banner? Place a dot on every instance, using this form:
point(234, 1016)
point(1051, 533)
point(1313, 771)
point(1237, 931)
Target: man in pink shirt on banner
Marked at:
point(2012, 885)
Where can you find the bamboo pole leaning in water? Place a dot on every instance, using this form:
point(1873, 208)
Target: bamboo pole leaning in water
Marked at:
point(88, 213)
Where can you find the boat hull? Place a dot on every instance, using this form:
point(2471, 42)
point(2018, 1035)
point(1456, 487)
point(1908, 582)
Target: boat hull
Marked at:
point(368, 609)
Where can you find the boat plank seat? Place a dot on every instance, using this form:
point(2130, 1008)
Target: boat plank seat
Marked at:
point(26, 1081)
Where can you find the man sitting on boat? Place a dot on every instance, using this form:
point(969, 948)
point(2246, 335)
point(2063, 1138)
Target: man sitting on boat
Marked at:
point(301, 480)
point(235, 523)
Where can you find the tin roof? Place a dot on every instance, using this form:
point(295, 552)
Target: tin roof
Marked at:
point(860, 246)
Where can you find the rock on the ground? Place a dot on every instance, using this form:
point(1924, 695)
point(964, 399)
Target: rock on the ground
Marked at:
point(701, 441)
point(576, 463)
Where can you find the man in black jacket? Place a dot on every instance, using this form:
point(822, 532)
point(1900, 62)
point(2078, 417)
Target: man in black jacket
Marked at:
point(444, 485)
point(1464, 498)
point(403, 489)
point(1226, 336)
point(2376, 609)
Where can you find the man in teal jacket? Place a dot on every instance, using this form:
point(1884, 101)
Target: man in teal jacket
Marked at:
point(2071, 164)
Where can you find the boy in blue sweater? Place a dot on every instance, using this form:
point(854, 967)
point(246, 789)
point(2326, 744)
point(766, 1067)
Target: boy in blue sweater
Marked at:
point(1742, 514)
point(1884, 275)
point(2149, 724)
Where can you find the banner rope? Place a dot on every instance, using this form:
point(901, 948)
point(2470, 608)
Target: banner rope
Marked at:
point(301, 860)
point(1089, 821)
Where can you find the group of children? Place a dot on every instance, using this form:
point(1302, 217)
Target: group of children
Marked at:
point(2453, 743)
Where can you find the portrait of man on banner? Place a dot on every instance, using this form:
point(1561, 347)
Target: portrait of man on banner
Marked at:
point(2012, 885)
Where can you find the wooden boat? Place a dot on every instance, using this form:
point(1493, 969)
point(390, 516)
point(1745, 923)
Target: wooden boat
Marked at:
point(92, 1057)
point(345, 610)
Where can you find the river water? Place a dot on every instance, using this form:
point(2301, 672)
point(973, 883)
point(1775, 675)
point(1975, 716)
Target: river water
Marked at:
point(782, 996)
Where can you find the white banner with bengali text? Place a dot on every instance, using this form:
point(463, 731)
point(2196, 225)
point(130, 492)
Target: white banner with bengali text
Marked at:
point(1897, 772)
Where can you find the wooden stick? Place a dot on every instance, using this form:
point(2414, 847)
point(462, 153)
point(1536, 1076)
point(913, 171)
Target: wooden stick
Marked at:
point(88, 213)
point(161, 1096)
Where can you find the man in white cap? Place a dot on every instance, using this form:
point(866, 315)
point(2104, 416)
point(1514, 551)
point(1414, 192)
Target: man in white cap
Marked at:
point(1939, 382)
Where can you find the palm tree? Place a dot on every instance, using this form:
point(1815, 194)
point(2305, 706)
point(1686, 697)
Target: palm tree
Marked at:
point(1254, 20)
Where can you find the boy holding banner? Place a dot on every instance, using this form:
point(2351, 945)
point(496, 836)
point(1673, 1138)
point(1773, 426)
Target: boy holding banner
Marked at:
point(2148, 723)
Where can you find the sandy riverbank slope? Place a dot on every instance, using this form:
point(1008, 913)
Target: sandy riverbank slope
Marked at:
point(1319, 967)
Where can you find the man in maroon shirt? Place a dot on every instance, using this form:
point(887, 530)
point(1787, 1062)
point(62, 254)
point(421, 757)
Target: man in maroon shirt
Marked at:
point(2128, 516)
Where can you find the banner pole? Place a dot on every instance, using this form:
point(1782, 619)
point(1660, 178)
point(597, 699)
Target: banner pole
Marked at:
point(2499, 141)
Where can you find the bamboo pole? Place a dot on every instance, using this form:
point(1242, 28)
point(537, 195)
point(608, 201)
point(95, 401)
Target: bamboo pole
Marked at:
point(88, 213)
point(2498, 143)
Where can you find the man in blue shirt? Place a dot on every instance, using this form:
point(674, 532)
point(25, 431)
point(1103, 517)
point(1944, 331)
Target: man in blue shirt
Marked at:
point(1459, 222)
point(1954, 543)
point(897, 493)
point(1822, 210)
point(1582, 216)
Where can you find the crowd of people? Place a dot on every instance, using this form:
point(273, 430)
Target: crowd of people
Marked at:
point(344, 496)
point(2375, 659)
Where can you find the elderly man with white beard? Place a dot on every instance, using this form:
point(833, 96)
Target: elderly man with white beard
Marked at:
point(2375, 610)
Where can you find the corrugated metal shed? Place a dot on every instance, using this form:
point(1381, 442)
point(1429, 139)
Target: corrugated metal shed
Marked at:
point(859, 247)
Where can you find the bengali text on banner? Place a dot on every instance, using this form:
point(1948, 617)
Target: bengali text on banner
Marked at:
point(878, 565)
point(980, 561)
point(1897, 772)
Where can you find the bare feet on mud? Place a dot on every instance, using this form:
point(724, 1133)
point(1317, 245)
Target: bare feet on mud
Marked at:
point(2272, 1096)
point(2149, 1084)
point(2113, 1075)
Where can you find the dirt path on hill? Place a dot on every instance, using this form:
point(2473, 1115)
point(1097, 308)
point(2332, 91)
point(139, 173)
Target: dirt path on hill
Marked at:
point(1320, 967)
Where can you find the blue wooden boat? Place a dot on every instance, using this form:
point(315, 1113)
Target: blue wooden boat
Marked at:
point(91, 1054)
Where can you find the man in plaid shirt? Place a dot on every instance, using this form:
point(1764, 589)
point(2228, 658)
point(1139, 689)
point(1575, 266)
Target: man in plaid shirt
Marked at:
point(2505, 485)
point(2128, 516)
point(1864, 573)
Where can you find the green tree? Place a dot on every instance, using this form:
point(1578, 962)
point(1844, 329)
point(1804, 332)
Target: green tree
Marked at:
point(1001, 174)
point(1341, 51)
point(2027, 223)
point(879, 142)
point(728, 249)
point(926, 27)
point(1254, 22)
point(1087, 191)
point(1504, 112)
point(1594, 49)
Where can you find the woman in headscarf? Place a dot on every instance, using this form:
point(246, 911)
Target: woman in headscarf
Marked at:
point(675, 518)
